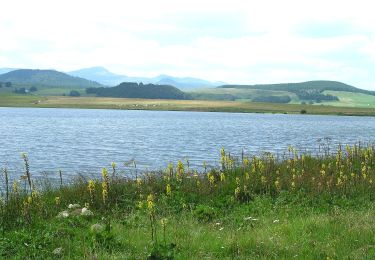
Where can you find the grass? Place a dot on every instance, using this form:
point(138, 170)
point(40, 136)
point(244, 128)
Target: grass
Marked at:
point(12, 100)
point(297, 207)
point(352, 99)
point(242, 94)
point(57, 91)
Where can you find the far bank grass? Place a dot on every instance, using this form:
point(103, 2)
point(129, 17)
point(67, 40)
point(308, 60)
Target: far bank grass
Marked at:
point(12, 100)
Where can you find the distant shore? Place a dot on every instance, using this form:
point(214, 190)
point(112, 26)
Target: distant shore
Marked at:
point(177, 105)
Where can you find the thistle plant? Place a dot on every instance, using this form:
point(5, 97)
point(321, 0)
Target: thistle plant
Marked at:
point(27, 170)
point(5, 171)
point(113, 164)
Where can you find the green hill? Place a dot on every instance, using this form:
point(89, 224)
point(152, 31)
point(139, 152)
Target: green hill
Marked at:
point(45, 78)
point(319, 85)
point(135, 90)
point(308, 92)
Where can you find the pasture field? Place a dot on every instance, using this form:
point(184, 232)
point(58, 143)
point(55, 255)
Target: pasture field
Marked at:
point(12, 100)
point(348, 99)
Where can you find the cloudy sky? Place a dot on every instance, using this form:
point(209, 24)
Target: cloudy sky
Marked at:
point(234, 41)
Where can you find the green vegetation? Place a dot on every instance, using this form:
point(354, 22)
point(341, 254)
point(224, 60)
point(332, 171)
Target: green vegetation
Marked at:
point(135, 90)
point(74, 93)
point(300, 207)
point(13, 100)
point(237, 94)
point(273, 99)
point(47, 78)
point(319, 85)
point(348, 99)
point(5, 84)
point(305, 92)
point(53, 83)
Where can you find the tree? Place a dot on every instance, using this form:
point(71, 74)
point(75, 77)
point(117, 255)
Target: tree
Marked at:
point(8, 84)
point(74, 93)
point(20, 91)
point(33, 89)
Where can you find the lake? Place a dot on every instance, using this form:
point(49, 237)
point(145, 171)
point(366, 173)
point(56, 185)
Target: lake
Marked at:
point(85, 140)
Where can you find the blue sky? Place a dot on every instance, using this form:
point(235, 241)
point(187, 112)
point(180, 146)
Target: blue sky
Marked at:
point(234, 41)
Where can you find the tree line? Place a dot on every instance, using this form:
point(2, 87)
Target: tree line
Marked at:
point(135, 90)
point(5, 84)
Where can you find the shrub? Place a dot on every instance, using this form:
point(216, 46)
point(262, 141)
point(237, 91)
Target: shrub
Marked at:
point(204, 213)
point(74, 93)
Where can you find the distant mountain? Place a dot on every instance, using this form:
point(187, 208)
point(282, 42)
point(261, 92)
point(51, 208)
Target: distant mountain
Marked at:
point(105, 77)
point(135, 90)
point(5, 70)
point(316, 85)
point(99, 74)
point(50, 78)
point(183, 83)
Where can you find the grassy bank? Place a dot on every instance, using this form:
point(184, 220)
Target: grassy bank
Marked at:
point(299, 207)
point(11, 100)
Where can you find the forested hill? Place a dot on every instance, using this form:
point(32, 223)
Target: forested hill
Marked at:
point(135, 90)
point(318, 85)
point(50, 78)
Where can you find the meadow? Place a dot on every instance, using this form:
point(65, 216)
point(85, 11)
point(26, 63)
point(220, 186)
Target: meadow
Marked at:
point(13, 100)
point(293, 206)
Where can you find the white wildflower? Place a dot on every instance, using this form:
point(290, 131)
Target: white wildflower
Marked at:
point(63, 214)
point(57, 251)
point(97, 228)
point(86, 212)
point(73, 206)
point(251, 218)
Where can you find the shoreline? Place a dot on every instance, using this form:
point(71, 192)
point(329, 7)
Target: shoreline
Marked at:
point(178, 105)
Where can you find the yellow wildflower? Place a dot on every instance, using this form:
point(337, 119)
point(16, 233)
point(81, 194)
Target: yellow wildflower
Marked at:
point(105, 173)
point(15, 187)
point(277, 184)
point(139, 182)
point(263, 180)
point(168, 189)
point(211, 178)
point(237, 191)
point(222, 177)
point(180, 170)
point(246, 162)
point(91, 187)
point(238, 181)
point(150, 203)
point(104, 192)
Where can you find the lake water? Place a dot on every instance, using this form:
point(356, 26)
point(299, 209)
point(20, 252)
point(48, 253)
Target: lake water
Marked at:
point(84, 141)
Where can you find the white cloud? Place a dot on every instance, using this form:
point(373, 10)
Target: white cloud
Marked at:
point(234, 41)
